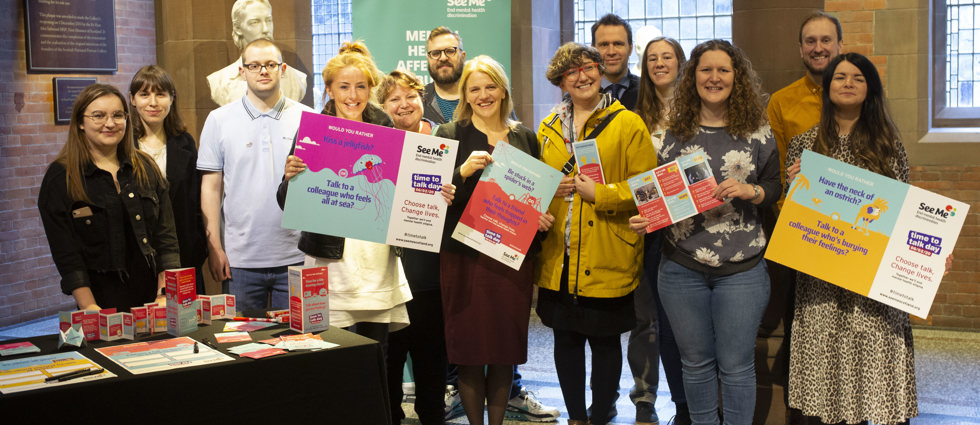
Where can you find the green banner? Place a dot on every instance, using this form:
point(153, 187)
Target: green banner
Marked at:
point(395, 30)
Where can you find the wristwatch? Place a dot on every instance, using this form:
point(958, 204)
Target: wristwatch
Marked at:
point(758, 192)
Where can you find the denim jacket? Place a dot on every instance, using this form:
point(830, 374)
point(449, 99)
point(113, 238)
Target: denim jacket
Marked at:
point(87, 236)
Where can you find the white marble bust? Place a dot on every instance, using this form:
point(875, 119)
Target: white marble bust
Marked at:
point(251, 20)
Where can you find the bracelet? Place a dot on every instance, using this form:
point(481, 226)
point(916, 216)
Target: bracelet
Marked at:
point(758, 192)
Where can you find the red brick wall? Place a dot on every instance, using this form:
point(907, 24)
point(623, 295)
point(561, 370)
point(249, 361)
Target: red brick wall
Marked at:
point(957, 303)
point(29, 141)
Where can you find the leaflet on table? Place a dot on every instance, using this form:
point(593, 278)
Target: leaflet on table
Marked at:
point(18, 348)
point(370, 182)
point(587, 158)
point(167, 354)
point(501, 217)
point(870, 234)
point(674, 191)
point(29, 373)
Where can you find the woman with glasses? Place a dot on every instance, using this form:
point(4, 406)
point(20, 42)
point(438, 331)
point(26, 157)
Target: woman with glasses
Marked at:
point(366, 295)
point(713, 281)
point(105, 209)
point(590, 260)
point(161, 133)
point(486, 305)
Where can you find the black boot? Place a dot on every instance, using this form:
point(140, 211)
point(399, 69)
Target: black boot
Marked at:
point(683, 416)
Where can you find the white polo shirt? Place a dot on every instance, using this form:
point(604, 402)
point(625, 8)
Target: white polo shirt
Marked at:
point(250, 149)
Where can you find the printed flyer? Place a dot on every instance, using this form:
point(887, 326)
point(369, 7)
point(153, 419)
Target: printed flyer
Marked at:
point(587, 159)
point(674, 191)
point(153, 356)
point(370, 182)
point(501, 218)
point(31, 373)
point(870, 234)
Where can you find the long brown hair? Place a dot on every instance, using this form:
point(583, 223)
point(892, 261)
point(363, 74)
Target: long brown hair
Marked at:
point(648, 104)
point(156, 79)
point(75, 155)
point(746, 112)
point(874, 137)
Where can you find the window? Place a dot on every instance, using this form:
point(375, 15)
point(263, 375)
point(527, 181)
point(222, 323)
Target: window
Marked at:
point(688, 21)
point(956, 56)
point(331, 27)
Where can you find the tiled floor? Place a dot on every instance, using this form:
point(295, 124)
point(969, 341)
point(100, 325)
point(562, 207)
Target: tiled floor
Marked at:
point(947, 371)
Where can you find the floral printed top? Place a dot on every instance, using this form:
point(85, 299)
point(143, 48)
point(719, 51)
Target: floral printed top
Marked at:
point(728, 238)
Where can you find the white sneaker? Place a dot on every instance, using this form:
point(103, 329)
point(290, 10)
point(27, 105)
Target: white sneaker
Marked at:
point(454, 406)
point(525, 407)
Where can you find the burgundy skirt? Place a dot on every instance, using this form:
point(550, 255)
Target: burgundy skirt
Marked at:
point(487, 306)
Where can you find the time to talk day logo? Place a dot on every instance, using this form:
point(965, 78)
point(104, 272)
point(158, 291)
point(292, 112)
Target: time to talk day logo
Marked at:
point(924, 243)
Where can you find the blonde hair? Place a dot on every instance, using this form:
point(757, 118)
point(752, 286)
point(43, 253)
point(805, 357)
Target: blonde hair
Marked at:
point(356, 54)
point(493, 69)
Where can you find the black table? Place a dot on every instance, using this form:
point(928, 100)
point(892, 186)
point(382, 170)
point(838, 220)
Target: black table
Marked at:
point(340, 385)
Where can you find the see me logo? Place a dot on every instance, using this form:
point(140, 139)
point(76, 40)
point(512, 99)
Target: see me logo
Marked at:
point(946, 212)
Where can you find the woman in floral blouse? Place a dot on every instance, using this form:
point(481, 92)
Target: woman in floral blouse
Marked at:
point(713, 282)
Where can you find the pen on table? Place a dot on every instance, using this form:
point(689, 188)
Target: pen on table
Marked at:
point(207, 341)
point(87, 373)
point(255, 319)
point(67, 374)
point(196, 350)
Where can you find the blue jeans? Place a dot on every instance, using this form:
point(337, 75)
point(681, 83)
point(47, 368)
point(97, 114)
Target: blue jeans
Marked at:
point(255, 288)
point(715, 319)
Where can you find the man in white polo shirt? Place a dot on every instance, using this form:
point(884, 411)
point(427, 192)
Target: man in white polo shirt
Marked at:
point(242, 156)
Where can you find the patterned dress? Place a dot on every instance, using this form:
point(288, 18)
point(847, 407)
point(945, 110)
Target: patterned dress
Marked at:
point(851, 358)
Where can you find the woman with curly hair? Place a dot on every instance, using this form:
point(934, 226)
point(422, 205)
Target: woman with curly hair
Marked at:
point(851, 357)
point(366, 294)
point(590, 261)
point(713, 282)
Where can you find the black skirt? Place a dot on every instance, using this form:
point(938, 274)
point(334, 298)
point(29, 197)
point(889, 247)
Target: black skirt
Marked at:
point(589, 316)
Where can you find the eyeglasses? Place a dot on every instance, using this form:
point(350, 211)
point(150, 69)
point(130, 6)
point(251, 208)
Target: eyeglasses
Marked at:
point(256, 68)
point(573, 73)
point(99, 118)
point(449, 51)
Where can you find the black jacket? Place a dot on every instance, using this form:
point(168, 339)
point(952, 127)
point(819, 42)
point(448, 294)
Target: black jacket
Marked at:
point(470, 140)
point(87, 236)
point(316, 244)
point(430, 106)
point(185, 198)
point(632, 93)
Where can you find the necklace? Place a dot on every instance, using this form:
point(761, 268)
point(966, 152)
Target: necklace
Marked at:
point(155, 153)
